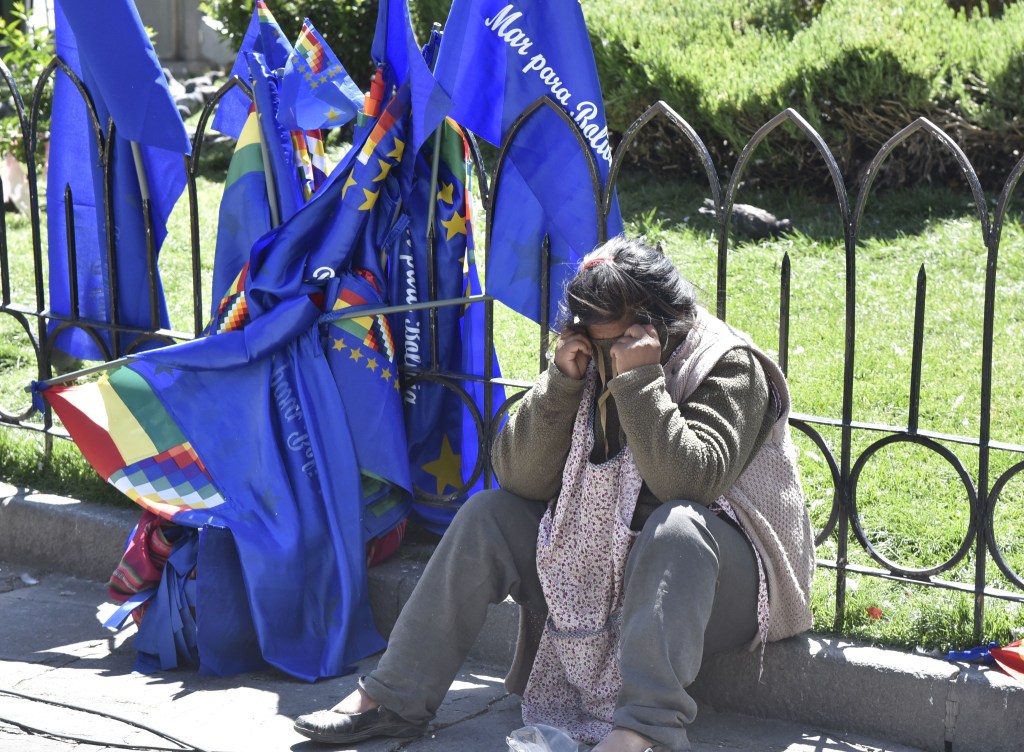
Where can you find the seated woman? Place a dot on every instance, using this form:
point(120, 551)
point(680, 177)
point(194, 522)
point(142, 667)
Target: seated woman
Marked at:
point(649, 514)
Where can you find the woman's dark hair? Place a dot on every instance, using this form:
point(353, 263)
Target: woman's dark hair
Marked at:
point(627, 276)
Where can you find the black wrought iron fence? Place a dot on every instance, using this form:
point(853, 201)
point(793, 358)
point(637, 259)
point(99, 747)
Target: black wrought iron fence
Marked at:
point(24, 301)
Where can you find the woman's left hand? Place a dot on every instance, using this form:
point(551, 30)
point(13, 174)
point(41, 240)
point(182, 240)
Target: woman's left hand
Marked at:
point(638, 346)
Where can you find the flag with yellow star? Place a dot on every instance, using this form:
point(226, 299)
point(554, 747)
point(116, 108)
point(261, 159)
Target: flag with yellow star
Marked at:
point(361, 355)
point(444, 439)
point(247, 431)
point(316, 90)
point(358, 198)
point(403, 62)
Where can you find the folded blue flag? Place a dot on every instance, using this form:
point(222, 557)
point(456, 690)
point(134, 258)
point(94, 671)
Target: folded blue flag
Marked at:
point(244, 213)
point(444, 437)
point(276, 140)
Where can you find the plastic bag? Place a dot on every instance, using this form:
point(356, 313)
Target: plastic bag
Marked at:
point(541, 738)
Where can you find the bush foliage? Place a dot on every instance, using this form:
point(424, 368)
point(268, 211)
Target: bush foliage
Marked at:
point(858, 72)
point(26, 51)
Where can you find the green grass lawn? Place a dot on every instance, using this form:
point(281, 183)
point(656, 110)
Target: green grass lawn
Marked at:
point(911, 503)
point(913, 508)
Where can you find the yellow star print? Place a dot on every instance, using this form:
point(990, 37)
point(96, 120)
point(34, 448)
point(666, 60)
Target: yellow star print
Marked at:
point(371, 199)
point(445, 194)
point(385, 373)
point(348, 183)
point(371, 363)
point(385, 168)
point(333, 114)
point(338, 345)
point(446, 468)
point(398, 150)
point(355, 355)
point(455, 226)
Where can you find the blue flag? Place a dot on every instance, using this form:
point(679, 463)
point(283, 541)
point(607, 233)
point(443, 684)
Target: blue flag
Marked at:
point(263, 35)
point(129, 87)
point(395, 49)
point(443, 435)
point(130, 82)
point(316, 90)
point(361, 355)
point(261, 438)
point(277, 142)
point(244, 214)
point(496, 59)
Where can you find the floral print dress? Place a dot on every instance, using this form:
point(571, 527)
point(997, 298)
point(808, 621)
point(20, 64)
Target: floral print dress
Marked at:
point(582, 546)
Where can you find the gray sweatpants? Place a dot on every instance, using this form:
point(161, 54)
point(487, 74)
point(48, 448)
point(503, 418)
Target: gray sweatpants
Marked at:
point(690, 590)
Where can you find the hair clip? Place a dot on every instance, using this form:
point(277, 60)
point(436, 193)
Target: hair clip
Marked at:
point(595, 258)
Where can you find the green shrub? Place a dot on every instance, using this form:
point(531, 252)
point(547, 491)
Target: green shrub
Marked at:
point(857, 71)
point(26, 52)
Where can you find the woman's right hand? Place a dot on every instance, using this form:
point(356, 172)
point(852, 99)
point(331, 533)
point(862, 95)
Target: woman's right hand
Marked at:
point(572, 354)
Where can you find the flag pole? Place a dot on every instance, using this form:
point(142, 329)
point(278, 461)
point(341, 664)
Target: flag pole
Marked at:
point(275, 216)
point(431, 244)
point(66, 377)
point(151, 267)
point(268, 175)
point(435, 165)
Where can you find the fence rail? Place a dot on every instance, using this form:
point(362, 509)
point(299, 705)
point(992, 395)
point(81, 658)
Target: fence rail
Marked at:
point(25, 302)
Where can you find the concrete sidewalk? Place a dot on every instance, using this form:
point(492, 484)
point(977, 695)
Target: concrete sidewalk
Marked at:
point(815, 693)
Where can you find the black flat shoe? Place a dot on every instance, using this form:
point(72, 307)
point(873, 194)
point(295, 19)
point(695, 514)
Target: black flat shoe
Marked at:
point(331, 727)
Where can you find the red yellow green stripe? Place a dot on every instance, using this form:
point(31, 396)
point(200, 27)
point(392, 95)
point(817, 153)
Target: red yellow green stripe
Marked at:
point(384, 124)
point(263, 13)
point(116, 421)
point(248, 156)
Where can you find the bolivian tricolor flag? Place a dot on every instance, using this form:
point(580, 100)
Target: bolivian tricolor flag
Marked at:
point(244, 216)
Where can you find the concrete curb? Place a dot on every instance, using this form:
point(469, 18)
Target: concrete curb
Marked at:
point(914, 699)
point(67, 535)
point(911, 699)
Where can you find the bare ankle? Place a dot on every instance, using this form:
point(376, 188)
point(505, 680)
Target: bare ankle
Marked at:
point(357, 702)
point(623, 740)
